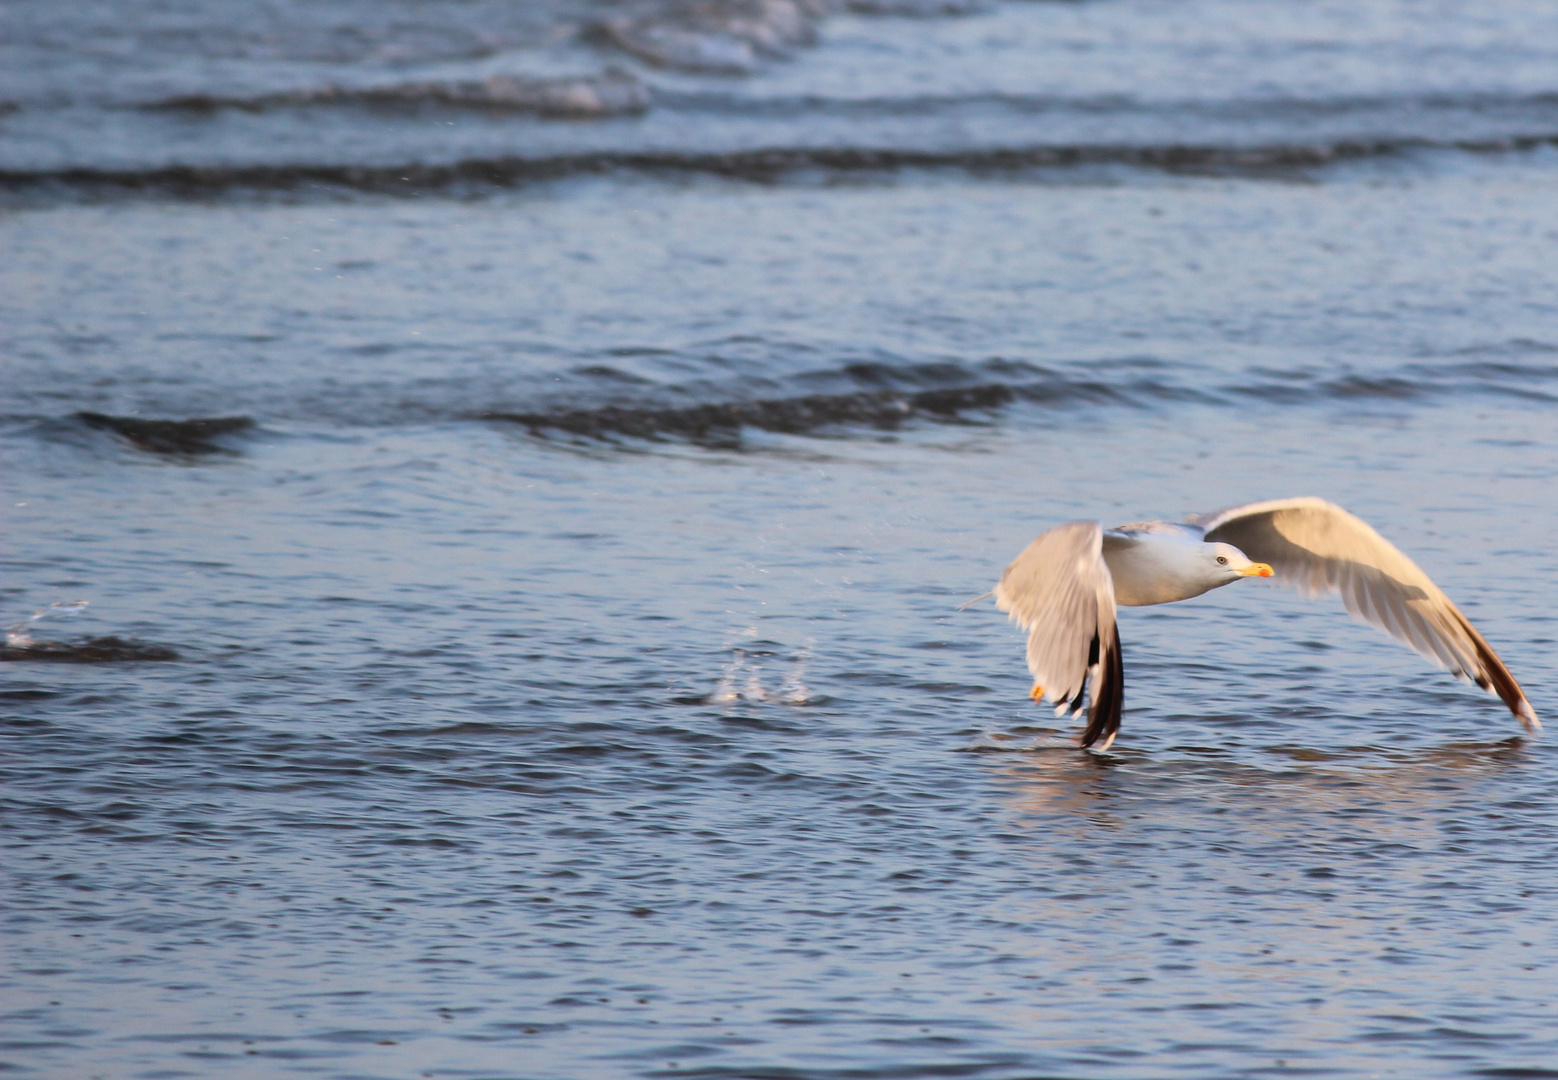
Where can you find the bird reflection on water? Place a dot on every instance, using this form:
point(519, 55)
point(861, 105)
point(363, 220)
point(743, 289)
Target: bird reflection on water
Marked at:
point(1228, 886)
point(1052, 780)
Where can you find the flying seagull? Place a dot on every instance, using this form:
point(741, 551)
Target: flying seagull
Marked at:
point(1064, 586)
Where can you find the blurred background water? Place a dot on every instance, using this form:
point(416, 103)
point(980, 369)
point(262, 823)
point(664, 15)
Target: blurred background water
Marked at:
point(521, 461)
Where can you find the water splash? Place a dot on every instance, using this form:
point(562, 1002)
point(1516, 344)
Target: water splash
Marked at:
point(18, 635)
point(743, 679)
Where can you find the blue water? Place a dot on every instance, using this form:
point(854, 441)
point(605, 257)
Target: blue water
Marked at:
point(553, 669)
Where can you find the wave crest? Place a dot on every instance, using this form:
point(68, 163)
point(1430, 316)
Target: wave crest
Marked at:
point(612, 92)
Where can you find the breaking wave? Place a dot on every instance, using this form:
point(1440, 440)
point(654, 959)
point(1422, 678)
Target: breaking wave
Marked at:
point(610, 93)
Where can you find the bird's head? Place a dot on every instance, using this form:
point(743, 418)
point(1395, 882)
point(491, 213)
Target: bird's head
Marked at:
point(1227, 563)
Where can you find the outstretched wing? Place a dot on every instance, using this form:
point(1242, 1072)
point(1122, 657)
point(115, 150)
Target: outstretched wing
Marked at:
point(1317, 547)
point(1060, 591)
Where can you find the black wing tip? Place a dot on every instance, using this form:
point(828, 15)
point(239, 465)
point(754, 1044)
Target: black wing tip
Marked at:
point(1103, 719)
point(1497, 678)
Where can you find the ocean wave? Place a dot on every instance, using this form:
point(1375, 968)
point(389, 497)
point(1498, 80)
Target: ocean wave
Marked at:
point(612, 92)
point(956, 393)
point(770, 165)
point(733, 37)
point(721, 423)
point(599, 403)
point(173, 437)
point(98, 650)
point(715, 36)
point(1536, 106)
point(615, 91)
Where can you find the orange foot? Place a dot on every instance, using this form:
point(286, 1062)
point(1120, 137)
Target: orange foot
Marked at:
point(1037, 693)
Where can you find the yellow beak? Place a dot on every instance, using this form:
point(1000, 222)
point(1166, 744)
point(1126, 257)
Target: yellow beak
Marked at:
point(1256, 569)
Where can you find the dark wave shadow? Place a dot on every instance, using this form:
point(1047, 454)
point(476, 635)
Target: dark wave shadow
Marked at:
point(601, 405)
point(721, 423)
point(768, 166)
point(172, 437)
point(98, 650)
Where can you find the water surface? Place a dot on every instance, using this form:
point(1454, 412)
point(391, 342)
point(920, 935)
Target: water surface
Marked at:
point(555, 667)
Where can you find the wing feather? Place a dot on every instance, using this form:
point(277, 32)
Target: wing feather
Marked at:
point(1060, 591)
point(1317, 547)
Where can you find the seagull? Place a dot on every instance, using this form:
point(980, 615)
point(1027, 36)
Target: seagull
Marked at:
point(1064, 587)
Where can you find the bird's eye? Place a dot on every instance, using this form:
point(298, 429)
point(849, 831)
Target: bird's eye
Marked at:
point(1222, 560)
